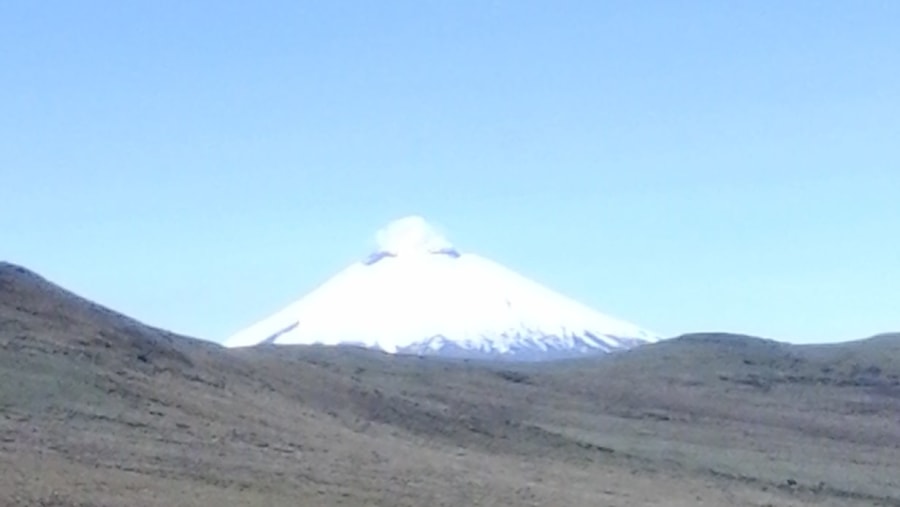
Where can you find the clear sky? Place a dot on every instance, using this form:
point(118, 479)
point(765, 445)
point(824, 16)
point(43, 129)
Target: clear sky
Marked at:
point(687, 166)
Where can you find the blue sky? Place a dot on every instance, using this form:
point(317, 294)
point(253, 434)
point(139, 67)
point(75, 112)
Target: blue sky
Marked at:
point(688, 166)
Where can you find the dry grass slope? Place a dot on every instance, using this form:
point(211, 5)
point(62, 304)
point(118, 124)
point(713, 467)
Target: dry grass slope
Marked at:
point(98, 409)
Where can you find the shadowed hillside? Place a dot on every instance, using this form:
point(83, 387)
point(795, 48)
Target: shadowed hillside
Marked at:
point(98, 409)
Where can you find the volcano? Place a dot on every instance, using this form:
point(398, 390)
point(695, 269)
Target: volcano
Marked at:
point(417, 294)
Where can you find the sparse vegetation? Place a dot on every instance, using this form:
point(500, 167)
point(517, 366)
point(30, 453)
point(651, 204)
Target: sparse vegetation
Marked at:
point(96, 409)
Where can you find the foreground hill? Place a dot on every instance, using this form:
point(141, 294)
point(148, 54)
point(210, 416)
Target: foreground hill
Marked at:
point(98, 409)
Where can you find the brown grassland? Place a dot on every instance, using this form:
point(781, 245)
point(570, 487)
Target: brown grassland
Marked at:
point(99, 410)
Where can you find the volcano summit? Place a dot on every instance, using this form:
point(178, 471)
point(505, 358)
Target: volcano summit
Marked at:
point(416, 294)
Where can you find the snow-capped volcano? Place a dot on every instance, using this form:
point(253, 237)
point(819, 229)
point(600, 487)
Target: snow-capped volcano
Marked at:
point(417, 294)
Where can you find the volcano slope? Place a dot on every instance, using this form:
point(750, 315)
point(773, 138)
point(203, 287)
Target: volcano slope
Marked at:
point(98, 409)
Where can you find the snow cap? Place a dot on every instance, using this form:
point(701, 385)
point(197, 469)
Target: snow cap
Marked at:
point(410, 236)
